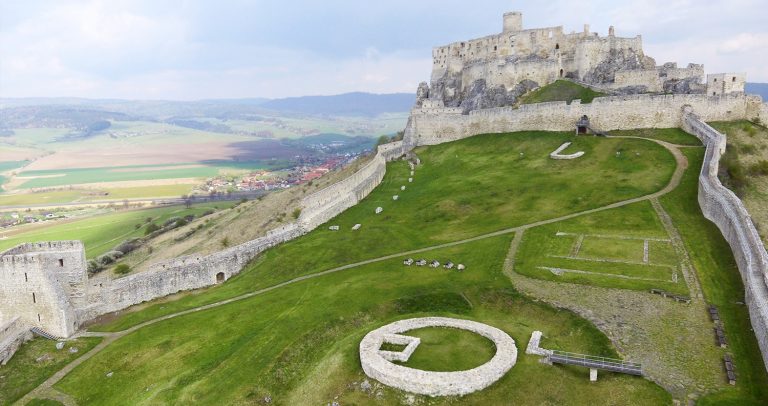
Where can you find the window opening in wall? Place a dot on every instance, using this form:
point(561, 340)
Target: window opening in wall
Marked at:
point(26, 279)
point(34, 299)
point(61, 262)
point(715, 80)
point(714, 93)
point(734, 79)
point(38, 317)
point(561, 73)
point(495, 47)
point(220, 277)
point(557, 46)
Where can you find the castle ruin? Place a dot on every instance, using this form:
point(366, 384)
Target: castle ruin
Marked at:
point(473, 90)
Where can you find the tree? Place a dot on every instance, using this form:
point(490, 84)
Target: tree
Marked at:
point(382, 140)
point(187, 200)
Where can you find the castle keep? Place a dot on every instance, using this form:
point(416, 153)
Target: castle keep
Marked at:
point(494, 71)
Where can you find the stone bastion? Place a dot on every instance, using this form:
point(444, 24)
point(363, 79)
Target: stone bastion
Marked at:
point(377, 363)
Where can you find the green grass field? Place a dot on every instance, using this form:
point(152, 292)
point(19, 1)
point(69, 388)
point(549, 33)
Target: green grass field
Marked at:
point(34, 363)
point(604, 249)
point(560, 90)
point(101, 233)
point(449, 349)
point(298, 344)
point(490, 188)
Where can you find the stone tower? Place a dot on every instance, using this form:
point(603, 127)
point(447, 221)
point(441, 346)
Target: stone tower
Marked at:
point(513, 21)
point(43, 284)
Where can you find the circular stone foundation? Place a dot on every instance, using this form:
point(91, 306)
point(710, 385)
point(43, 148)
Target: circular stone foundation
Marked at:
point(378, 365)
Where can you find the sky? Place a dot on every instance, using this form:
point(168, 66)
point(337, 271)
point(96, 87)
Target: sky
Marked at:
point(201, 49)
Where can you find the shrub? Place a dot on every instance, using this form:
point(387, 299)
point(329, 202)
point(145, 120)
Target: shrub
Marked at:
point(94, 267)
point(109, 257)
point(296, 213)
point(207, 213)
point(128, 245)
point(225, 242)
point(151, 228)
point(122, 269)
point(171, 221)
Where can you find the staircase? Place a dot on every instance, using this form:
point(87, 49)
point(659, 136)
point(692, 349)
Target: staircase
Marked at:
point(42, 333)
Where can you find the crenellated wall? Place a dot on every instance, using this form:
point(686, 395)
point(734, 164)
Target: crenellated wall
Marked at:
point(725, 209)
point(434, 125)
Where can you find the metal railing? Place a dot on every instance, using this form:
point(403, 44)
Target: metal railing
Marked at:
point(590, 361)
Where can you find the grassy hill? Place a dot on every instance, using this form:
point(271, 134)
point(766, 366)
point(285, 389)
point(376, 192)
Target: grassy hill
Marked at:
point(560, 90)
point(295, 341)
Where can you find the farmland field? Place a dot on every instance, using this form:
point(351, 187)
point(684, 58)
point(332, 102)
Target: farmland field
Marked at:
point(101, 233)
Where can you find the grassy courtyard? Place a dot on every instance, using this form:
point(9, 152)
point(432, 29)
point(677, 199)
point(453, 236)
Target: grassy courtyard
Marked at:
point(605, 249)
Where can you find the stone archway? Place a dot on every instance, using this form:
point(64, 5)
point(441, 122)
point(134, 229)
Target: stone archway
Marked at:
point(220, 277)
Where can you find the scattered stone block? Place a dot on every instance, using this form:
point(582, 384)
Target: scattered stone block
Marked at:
point(408, 262)
point(460, 267)
point(402, 187)
point(60, 345)
point(73, 350)
point(379, 210)
point(334, 228)
point(410, 180)
point(395, 197)
point(357, 226)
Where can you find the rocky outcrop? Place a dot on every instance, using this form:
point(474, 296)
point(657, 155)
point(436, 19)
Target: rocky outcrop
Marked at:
point(480, 96)
point(616, 60)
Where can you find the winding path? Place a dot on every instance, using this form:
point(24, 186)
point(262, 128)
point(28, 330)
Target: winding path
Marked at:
point(46, 391)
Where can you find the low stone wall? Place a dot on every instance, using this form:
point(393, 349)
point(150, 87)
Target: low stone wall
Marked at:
point(329, 202)
point(183, 273)
point(727, 211)
point(13, 333)
point(434, 126)
point(430, 383)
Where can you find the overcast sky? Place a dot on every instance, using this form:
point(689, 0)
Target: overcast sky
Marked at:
point(244, 48)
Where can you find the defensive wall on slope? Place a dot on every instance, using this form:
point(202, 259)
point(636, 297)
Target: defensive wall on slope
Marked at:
point(725, 209)
point(329, 202)
point(431, 126)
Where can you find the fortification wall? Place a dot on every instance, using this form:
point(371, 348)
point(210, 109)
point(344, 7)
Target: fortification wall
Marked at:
point(41, 282)
point(434, 126)
point(179, 274)
point(640, 77)
point(726, 210)
point(329, 202)
point(13, 333)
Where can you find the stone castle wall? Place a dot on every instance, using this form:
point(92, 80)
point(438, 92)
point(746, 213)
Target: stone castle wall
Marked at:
point(179, 274)
point(434, 126)
point(329, 202)
point(13, 333)
point(727, 211)
point(42, 283)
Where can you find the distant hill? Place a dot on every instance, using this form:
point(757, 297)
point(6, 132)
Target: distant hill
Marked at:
point(758, 88)
point(348, 104)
